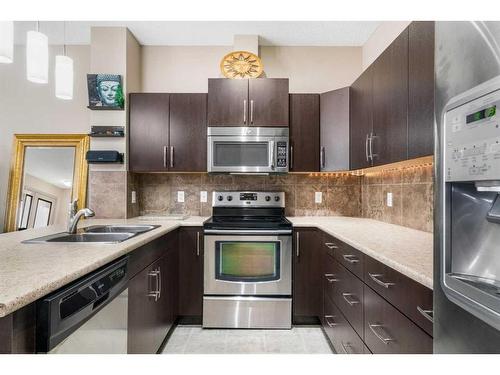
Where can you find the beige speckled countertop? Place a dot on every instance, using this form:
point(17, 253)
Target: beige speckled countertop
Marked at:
point(406, 250)
point(31, 271)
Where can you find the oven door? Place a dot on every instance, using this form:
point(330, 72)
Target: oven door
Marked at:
point(248, 265)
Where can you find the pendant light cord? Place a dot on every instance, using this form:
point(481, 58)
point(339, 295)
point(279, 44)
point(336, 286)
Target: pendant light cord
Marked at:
point(64, 38)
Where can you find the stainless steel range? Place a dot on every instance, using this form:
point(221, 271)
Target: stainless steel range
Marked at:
point(248, 262)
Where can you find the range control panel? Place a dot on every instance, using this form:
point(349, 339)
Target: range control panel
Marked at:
point(472, 140)
point(248, 199)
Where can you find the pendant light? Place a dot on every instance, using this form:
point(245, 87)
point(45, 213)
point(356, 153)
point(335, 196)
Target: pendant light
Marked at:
point(64, 73)
point(6, 42)
point(37, 56)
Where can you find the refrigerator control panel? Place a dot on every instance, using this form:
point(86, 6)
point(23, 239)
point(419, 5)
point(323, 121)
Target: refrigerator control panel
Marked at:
point(472, 140)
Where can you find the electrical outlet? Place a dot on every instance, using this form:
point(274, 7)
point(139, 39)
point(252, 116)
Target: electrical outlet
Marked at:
point(318, 197)
point(133, 197)
point(389, 199)
point(203, 196)
point(180, 196)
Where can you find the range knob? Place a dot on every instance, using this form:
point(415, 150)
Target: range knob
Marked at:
point(277, 198)
point(220, 198)
point(229, 198)
point(268, 198)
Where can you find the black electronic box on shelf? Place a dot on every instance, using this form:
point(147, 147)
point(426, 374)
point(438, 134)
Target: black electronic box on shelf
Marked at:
point(104, 156)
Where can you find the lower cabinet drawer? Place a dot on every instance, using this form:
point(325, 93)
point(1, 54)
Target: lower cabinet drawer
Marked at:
point(342, 336)
point(387, 331)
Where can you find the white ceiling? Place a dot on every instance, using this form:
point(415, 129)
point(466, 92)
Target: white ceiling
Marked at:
point(197, 33)
point(50, 164)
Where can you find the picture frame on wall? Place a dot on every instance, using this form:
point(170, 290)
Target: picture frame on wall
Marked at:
point(105, 92)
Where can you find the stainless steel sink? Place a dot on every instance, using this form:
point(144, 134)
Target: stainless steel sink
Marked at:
point(97, 234)
point(120, 228)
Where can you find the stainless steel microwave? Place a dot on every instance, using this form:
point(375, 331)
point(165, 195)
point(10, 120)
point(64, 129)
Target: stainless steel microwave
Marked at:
point(247, 150)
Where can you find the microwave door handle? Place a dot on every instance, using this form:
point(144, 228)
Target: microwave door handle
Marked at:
point(271, 154)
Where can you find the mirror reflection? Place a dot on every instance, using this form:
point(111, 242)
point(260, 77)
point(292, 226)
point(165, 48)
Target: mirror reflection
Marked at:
point(46, 192)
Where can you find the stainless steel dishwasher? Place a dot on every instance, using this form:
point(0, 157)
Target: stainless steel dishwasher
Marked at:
point(88, 316)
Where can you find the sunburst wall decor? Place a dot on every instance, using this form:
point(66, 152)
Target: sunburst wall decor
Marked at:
point(241, 64)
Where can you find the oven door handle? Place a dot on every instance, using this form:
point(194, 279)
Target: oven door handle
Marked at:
point(240, 231)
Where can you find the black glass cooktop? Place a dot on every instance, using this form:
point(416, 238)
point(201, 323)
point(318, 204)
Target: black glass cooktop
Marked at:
point(245, 222)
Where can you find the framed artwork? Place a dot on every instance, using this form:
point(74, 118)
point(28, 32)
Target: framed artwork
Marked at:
point(105, 91)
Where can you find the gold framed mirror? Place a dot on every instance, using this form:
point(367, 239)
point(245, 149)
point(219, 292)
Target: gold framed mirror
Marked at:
point(47, 172)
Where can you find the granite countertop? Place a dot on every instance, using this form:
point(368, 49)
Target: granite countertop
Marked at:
point(31, 271)
point(406, 250)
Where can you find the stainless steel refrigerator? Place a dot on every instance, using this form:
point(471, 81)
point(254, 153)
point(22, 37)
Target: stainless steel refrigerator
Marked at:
point(467, 205)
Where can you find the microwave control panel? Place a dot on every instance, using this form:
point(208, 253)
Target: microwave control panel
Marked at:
point(472, 140)
point(282, 151)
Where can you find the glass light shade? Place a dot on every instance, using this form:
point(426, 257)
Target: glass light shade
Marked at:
point(6, 42)
point(64, 77)
point(37, 57)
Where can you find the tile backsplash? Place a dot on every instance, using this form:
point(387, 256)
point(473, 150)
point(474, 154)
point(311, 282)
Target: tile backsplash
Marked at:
point(342, 193)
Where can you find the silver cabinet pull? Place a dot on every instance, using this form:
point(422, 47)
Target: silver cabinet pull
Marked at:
point(154, 293)
point(244, 111)
point(297, 246)
point(171, 156)
point(327, 320)
point(374, 327)
point(159, 283)
point(372, 155)
point(251, 112)
point(366, 147)
point(331, 277)
point(350, 258)
point(348, 297)
point(291, 157)
point(428, 314)
point(331, 245)
point(197, 243)
point(345, 347)
point(322, 157)
point(375, 277)
point(164, 156)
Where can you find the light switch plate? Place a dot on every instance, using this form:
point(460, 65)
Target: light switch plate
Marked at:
point(133, 197)
point(389, 199)
point(180, 196)
point(318, 197)
point(203, 196)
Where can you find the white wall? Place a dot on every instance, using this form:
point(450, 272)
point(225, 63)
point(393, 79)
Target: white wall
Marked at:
point(26, 107)
point(310, 69)
point(380, 40)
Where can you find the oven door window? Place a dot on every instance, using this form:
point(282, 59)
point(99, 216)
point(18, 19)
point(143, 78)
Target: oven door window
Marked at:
point(247, 261)
point(236, 154)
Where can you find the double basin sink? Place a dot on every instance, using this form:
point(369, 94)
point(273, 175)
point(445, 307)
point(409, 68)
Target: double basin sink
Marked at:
point(97, 234)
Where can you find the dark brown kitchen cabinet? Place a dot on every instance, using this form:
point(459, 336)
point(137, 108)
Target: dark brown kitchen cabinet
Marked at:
point(248, 102)
point(148, 133)
point(421, 89)
point(361, 117)
point(164, 131)
point(307, 274)
point(304, 133)
point(334, 130)
point(191, 273)
point(390, 103)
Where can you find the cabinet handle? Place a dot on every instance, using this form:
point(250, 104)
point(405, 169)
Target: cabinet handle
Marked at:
point(322, 157)
point(350, 258)
point(331, 277)
point(164, 156)
point(348, 297)
point(428, 314)
point(154, 293)
point(297, 247)
point(327, 320)
point(345, 347)
point(251, 112)
point(366, 148)
point(372, 155)
point(244, 111)
point(171, 156)
point(159, 283)
point(197, 243)
point(380, 327)
point(375, 277)
point(291, 157)
point(331, 245)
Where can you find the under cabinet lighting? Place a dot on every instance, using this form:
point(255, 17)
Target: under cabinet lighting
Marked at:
point(6, 42)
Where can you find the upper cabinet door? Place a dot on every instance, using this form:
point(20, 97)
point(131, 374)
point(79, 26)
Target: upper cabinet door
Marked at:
point(361, 115)
point(390, 103)
point(148, 136)
point(334, 125)
point(268, 102)
point(421, 89)
point(188, 133)
point(228, 102)
point(304, 132)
